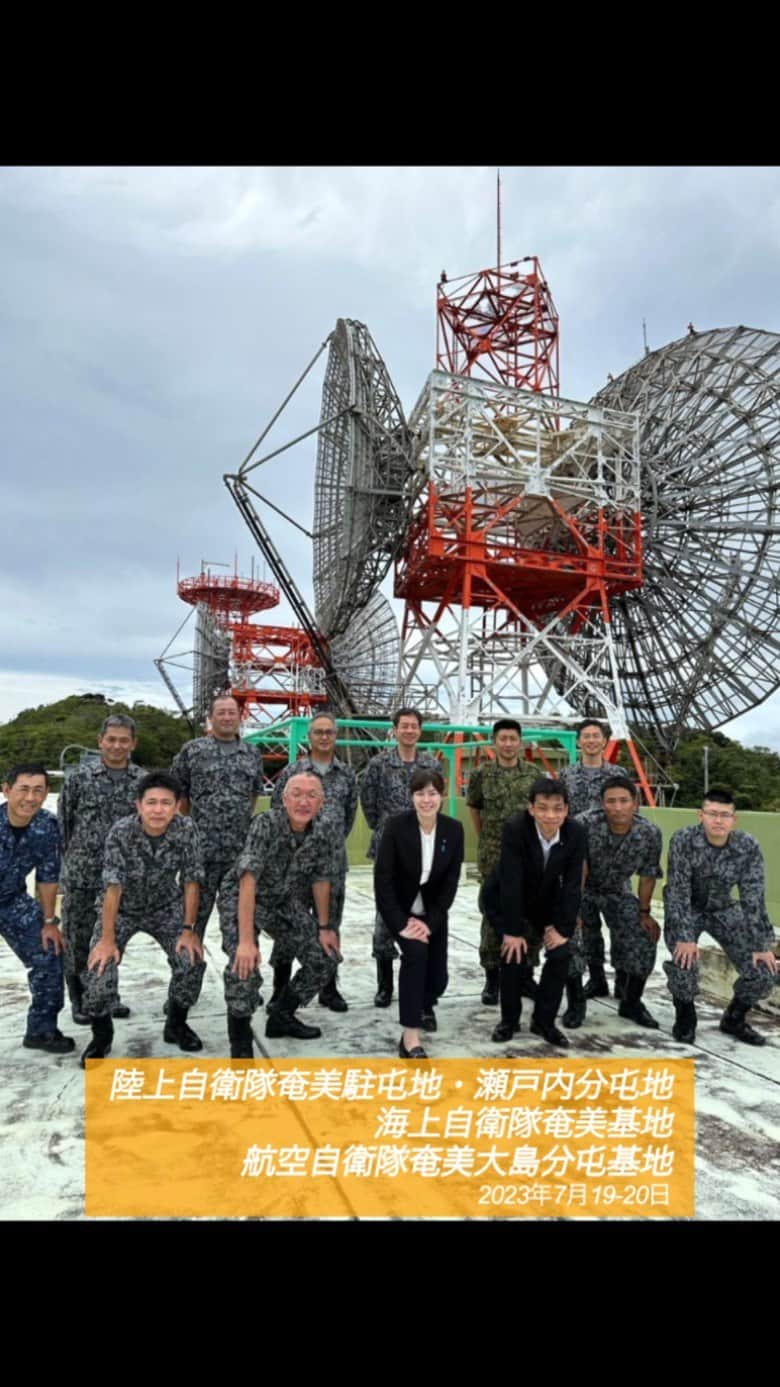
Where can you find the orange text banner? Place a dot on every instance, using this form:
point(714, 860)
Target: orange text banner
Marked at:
point(383, 1138)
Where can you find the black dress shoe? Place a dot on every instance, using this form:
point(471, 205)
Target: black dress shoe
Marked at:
point(551, 1034)
point(100, 1044)
point(53, 1042)
point(428, 1020)
point(576, 1011)
point(504, 1031)
point(120, 1011)
point(416, 1052)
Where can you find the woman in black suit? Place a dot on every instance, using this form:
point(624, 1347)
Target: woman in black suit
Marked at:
point(416, 875)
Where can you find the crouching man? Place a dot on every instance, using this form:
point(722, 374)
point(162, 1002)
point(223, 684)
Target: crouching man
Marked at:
point(281, 884)
point(706, 861)
point(152, 872)
point(30, 840)
point(532, 899)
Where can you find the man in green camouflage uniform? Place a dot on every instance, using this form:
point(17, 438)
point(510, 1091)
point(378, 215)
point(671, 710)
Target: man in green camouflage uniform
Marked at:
point(497, 790)
point(706, 862)
point(584, 782)
point(339, 785)
point(152, 871)
point(221, 776)
point(384, 790)
point(281, 885)
point(94, 796)
point(620, 845)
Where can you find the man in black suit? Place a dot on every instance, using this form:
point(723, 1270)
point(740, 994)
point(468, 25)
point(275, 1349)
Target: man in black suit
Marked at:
point(532, 898)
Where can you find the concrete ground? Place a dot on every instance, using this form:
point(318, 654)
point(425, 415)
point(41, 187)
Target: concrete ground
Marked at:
point(41, 1103)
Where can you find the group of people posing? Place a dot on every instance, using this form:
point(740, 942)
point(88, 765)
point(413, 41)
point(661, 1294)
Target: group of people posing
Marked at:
point(137, 852)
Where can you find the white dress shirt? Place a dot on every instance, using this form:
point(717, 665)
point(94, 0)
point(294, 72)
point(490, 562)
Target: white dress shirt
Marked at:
point(547, 843)
point(426, 841)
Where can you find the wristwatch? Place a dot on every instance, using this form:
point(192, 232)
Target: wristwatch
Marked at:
point(52, 920)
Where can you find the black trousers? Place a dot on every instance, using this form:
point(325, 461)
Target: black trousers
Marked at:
point(551, 986)
point(423, 976)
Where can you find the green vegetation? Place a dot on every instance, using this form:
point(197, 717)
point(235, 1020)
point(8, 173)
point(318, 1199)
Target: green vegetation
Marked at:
point(751, 773)
point(40, 734)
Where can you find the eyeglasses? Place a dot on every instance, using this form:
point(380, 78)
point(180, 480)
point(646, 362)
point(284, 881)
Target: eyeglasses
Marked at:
point(322, 732)
point(714, 814)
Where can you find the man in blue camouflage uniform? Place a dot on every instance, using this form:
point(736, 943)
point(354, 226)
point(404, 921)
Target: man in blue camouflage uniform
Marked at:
point(221, 776)
point(384, 790)
point(584, 782)
point(706, 862)
point(281, 885)
point(620, 845)
point(152, 871)
point(93, 797)
point(30, 841)
point(339, 785)
point(497, 790)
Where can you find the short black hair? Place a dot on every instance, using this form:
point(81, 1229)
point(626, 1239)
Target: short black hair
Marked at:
point(619, 782)
point(422, 778)
point(591, 722)
point(218, 697)
point(545, 785)
point(26, 768)
point(507, 725)
point(406, 713)
point(159, 780)
point(719, 794)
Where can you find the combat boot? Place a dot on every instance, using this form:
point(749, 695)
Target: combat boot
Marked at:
point(621, 978)
point(490, 990)
point(733, 1023)
point(330, 996)
point(240, 1036)
point(100, 1044)
point(177, 1032)
point(574, 1015)
point(53, 1042)
point(384, 982)
point(119, 1010)
point(283, 1021)
point(76, 994)
point(282, 975)
point(684, 1027)
point(596, 986)
point(632, 1008)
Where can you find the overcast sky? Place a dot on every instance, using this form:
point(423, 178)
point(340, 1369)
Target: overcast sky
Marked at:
point(154, 319)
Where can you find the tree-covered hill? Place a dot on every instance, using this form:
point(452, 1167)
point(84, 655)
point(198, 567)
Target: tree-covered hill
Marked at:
point(40, 734)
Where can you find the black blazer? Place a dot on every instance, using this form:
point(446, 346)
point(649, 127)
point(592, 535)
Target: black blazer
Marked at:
point(522, 895)
point(399, 864)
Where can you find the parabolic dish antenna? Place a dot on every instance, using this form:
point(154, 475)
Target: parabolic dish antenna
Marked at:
point(699, 643)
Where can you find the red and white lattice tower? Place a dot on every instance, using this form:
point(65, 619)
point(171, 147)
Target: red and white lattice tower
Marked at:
point(272, 669)
point(526, 524)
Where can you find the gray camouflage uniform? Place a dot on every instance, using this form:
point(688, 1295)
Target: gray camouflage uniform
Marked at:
point(384, 790)
point(220, 780)
point(284, 864)
point(92, 799)
point(339, 785)
point(584, 783)
point(698, 897)
point(152, 873)
point(613, 859)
